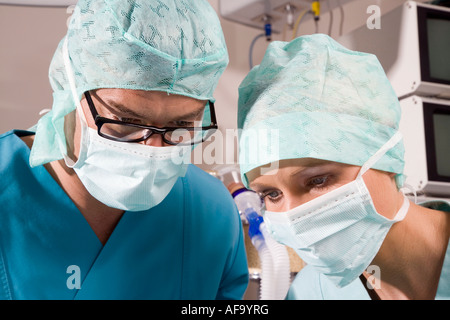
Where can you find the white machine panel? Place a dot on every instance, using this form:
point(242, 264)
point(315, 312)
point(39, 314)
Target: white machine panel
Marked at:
point(413, 125)
point(398, 47)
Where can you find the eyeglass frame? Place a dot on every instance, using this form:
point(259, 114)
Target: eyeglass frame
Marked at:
point(100, 121)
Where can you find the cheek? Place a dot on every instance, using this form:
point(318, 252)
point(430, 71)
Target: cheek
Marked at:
point(299, 199)
point(289, 201)
point(383, 192)
point(87, 114)
point(298, 195)
point(72, 132)
point(77, 137)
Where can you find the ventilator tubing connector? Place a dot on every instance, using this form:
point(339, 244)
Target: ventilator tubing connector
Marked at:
point(275, 263)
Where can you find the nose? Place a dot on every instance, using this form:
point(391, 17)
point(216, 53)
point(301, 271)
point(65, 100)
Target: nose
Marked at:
point(155, 140)
point(295, 201)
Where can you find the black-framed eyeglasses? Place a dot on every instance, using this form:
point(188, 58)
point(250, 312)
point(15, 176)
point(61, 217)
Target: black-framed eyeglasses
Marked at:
point(131, 132)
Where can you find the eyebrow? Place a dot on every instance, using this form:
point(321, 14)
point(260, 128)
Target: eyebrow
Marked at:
point(122, 109)
point(307, 166)
point(192, 114)
point(260, 186)
point(314, 162)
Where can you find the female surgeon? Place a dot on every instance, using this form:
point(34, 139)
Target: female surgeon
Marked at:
point(331, 186)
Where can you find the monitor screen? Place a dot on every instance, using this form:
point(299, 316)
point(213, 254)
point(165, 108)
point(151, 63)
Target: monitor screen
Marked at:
point(436, 118)
point(441, 123)
point(434, 38)
point(439, 48)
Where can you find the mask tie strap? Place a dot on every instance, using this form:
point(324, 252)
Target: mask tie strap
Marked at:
point(396, 138)
point(70, 75)
point(401, 214)
point(71, 78)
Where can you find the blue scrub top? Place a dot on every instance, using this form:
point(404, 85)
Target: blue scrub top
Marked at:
point(190, 246)
point(311, 285)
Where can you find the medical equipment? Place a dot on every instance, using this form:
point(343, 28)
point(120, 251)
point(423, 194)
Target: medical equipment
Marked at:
point(413, 45)
point(275, 263)
point(277, 16)
point(255, 13)
point(267, 33)
point(425, 123)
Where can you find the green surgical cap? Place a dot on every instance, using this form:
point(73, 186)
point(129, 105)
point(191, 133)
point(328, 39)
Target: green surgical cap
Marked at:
point(172, 46)
point(313, 98)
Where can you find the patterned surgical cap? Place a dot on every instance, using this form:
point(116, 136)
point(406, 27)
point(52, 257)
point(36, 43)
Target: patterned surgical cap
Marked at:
point(323, 101)
point(174, 46)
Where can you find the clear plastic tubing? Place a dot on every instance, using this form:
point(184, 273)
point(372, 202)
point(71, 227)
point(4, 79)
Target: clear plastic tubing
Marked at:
point(275, 263)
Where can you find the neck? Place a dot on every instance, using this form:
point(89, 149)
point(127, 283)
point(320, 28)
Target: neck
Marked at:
point(100, 217)
point(411, 256)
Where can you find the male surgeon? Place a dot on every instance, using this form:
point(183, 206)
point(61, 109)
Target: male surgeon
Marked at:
point(100, 202)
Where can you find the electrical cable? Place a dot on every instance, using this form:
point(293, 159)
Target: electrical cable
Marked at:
point(331, 18)
point(252, 44)
point(341, 24)
point(297, 22)
point(267, 33)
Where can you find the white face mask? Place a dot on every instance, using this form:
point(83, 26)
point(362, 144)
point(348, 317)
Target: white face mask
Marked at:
point(126, 176)
point(340, 232)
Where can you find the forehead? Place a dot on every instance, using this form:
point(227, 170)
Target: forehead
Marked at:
point(152, 96)
point(149, 105)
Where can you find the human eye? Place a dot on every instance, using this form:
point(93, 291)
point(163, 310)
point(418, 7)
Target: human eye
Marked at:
point(272, 196)
point(319, 182)
point(183, 123)
point(129, 120)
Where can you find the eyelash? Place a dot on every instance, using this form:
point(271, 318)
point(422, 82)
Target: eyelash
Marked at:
point(129, 120)
point(311, 184)
point(318, 186)
point(180, 123)
point(265, 194)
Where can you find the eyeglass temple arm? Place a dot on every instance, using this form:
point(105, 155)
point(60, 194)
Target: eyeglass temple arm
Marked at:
point(91, 105)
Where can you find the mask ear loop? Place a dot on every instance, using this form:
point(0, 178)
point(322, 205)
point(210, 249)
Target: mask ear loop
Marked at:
point(396, 138)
